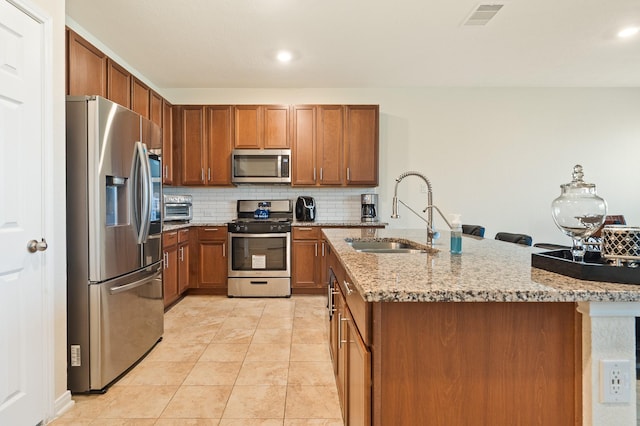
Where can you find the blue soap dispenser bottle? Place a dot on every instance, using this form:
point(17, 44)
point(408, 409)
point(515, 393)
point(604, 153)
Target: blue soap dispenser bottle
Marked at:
point(456, 234)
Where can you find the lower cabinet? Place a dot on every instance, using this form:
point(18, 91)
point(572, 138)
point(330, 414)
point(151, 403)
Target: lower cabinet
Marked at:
point(351, 356)
point(307, 259)
point(211, 268)
point(175, 257)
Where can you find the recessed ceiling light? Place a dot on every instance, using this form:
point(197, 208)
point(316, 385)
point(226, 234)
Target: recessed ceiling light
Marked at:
point(284, 56)
point(628, 32)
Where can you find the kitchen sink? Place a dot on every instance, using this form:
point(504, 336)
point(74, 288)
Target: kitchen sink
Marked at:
point(386, 246)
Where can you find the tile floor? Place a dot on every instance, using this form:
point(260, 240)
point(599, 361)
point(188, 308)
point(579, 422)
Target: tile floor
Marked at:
point(226, 362)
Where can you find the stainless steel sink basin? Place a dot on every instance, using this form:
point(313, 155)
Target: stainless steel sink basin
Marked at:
point(385, 246)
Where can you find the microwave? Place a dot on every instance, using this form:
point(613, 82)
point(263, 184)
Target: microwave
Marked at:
point(261, 166)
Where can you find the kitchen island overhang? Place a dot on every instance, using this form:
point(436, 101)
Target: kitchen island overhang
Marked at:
point(508, 335)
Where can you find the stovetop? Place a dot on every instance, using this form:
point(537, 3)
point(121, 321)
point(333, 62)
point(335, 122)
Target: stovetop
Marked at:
point(279, 220)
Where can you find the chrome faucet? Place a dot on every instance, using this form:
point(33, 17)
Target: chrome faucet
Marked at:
point(431, 233)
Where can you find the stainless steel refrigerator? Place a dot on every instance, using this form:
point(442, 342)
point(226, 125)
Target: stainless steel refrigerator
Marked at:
point(114, 269)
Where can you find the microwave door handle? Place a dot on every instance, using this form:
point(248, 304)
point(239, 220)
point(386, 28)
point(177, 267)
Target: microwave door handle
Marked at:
point(279, 165)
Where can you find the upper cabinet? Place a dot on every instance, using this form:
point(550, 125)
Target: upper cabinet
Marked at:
point(261, 126)
point(86, 67)
point(140, 97)
point(167, 143)
point(361, 144)
point(119, 84)
point(334, 145)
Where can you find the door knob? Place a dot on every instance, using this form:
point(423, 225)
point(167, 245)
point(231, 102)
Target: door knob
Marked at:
point(34, 246)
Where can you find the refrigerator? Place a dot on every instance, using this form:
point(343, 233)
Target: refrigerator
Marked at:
point(115, 307)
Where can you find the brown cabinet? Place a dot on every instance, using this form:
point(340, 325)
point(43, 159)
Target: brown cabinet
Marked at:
point(86, 67)
point(118, 84)
point(307, 258)
point(361, 144)
point(155, 108)
point(334, 145)
point(205, 145)
point(261, 126)
point(175, 276)
point(140, 97)
point(211, 270)
point(167, 143)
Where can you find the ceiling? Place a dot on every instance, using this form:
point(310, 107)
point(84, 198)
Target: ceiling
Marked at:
point(368, 43)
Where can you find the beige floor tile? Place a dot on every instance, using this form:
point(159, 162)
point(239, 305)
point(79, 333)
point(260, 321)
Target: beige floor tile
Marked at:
point(123, 422)
point(213, 373)
point(311, 373)
point(247, 310)
point(234, 322)
point(263, 373)
point(151, 372)
point(268, 352)
point(64, 421)
point(206, 402)
point(190, 335)
point(313, 422)
point(310, 322)
point(87, 406)
point(193, 319)
point(187, 422)
point(233, 336)
point(256, 402)
point(225, 352)
point(166, 351)
point(138, 402)
point(270, 321)
point(311, 335)
point(280, 336)
point(310, 352)
point(312, 402)
point(251, 422)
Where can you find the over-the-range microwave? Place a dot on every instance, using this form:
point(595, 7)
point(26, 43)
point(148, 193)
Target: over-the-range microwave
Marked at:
point(261, 166)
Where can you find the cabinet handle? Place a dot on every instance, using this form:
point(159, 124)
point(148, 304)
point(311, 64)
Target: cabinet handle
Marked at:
point(314, 174)
point(210, 229)
point(224, 249)
point(348, 177)
point(166, 171)
point(165, 257)
point(181, 254)
point(320, 173)
point(323, 249)
point(305, 229)
point(202, 174)
point(209, 174)
point(340, 319)
point(346, 285)
point(316, 249)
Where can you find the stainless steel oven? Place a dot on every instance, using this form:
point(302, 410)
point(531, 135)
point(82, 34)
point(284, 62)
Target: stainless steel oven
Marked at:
point(260, 250)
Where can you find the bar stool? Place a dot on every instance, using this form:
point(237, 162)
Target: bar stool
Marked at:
point(523, 239)
point(476, 230)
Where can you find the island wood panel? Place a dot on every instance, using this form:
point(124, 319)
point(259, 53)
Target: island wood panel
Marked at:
point(329, 142)
point(303, 140)
point(118, 84)
point(476, 363)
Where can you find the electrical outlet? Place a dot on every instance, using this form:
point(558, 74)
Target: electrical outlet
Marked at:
point(614, 381)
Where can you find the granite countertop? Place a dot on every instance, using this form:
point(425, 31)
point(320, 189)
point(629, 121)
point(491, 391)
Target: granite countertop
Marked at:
point(172, 226)
point(486, 271)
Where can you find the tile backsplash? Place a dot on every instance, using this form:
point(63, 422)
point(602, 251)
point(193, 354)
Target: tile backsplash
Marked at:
point(219, 204)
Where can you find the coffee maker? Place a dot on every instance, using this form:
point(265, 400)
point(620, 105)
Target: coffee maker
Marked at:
point(369, 210)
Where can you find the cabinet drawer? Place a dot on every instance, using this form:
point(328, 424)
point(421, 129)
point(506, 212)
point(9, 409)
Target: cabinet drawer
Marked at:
point(306, 232)
point(183, 235)
point(169, 238)
point(214, 233)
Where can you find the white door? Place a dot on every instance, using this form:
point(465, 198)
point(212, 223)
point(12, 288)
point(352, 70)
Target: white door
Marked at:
point(22, 387)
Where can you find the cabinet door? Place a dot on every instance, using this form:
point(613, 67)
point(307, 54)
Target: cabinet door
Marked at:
point(361, 144)
point(341, 359)
point(118, 84)
point(183, 267)
point(276, 126)
point(303, 145)
point(304, 271)
point(140, 97)
point(155, 108)
point(212, 265)
point(86, 67)
point(358, 378)
point(219, 144)
point(170, 275)
point(329, 144)
point(192, 146)
point(167, 143)
point(248, 126)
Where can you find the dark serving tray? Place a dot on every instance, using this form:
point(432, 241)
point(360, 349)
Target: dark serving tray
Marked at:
point(594, 267)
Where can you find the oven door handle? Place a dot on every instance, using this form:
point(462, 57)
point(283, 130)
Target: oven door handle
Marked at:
point(273, 235)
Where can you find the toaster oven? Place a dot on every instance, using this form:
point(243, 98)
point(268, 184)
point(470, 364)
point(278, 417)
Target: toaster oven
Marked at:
point(178, 208)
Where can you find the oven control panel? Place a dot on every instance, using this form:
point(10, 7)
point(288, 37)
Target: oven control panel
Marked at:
point(258, 227)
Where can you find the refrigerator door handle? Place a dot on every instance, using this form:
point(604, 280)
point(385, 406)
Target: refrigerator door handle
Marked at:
point(138, 283)
point(145, 200)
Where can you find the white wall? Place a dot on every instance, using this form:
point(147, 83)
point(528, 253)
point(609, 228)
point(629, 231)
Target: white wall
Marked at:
point(495, 155)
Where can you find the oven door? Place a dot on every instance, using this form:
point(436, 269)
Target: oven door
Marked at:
point(260, 255)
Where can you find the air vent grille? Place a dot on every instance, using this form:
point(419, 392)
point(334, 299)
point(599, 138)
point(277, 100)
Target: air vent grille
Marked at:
point(482, 14)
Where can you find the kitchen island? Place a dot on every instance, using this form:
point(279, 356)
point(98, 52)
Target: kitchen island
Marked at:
point(477, 338)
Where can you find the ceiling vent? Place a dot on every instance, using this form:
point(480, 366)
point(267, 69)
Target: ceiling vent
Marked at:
point(482, 15)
